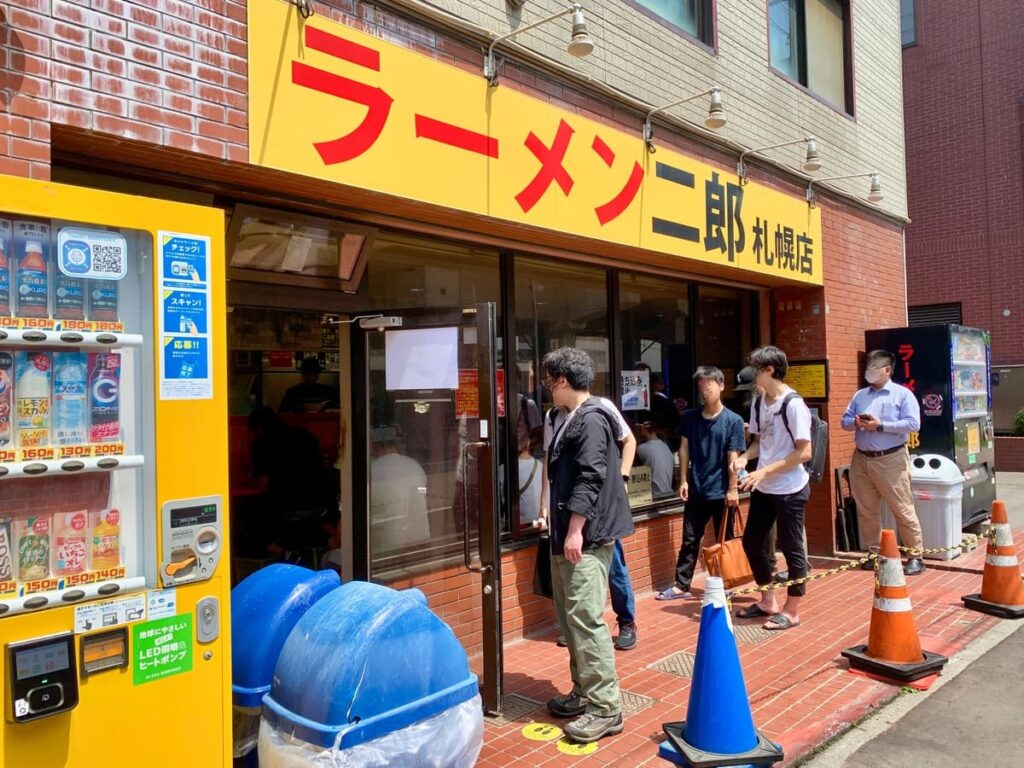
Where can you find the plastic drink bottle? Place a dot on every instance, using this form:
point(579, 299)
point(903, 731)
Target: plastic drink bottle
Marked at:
point(70, 388)
point(106, 540)
point(6, 399)
point(104, 405)
point(69, 298)
point(70, 542)
point(103, 300)
point(33, 281)
point(32, 372)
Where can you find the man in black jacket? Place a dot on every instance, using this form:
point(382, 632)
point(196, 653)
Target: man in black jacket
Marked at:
point(589, 512)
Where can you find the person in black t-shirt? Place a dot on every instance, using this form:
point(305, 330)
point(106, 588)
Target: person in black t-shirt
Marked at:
point(710, 440)
point(309, 396)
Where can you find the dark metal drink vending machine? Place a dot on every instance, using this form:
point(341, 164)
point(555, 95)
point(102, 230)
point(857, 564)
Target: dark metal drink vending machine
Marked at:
point(947, 367)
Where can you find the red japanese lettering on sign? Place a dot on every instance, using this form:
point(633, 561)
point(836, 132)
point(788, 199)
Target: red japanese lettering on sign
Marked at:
point(906, 353)
point(454, 136)
point(377, 101)
point(620, 202)
point(551, 169)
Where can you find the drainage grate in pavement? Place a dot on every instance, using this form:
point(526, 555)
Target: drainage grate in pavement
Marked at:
point(677, 664)
point(749, 634)
point(514, 708)
point(634, 702)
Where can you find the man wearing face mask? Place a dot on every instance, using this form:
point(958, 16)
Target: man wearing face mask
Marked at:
point(883, 415)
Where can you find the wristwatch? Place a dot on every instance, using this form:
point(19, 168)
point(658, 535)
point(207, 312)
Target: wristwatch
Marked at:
point(879, 428)
point(625, 478)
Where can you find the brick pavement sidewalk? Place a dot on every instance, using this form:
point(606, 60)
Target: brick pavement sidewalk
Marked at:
point(800, 689)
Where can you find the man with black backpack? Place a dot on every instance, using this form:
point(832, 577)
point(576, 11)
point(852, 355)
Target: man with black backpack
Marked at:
point(780, 427)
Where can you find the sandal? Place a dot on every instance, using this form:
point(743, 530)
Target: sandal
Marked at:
point(753, 612)
point(778, 622)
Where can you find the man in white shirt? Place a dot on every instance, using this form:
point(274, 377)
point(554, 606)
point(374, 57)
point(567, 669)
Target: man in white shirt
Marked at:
point(780, 486)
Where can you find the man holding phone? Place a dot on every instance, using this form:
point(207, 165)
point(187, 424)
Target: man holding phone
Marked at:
point(883, 415)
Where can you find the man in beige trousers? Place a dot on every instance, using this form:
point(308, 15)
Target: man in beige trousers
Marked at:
point(883, 415)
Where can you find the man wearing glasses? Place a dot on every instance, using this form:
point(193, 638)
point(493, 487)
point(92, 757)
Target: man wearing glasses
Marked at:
point(589, 512)
point(883, 415)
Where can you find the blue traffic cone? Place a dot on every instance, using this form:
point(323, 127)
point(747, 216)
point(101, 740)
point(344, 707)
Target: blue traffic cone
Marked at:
point(719, 729)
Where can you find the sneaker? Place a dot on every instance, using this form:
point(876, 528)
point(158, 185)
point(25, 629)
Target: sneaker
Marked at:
point(570, 705)
point(592, 727)
point(627, 638)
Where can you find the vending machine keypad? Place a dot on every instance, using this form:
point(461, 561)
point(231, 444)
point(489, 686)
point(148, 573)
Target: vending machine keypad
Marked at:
point(192, 539)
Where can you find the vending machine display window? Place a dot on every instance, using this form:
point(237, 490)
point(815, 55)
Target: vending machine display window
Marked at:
point(76, 320)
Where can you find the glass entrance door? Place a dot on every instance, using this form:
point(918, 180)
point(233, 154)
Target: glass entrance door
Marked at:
point(427, 478)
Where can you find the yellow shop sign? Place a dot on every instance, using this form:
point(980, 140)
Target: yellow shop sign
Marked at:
point(331, 102)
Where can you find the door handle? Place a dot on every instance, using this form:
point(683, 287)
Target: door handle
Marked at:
point(467, 555)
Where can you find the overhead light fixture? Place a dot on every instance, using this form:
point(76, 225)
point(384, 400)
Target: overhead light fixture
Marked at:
point(810, 164)
point(874, 191)
point(580, 44)
point(715, 118)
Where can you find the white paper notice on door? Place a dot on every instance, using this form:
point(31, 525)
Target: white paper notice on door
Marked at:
point(422, 358)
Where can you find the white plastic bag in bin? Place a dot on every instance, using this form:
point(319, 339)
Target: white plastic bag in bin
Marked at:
point(451, 739)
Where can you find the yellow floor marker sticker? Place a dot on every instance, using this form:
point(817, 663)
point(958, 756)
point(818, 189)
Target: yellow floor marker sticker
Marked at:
point(542, 732)
point(572, 748)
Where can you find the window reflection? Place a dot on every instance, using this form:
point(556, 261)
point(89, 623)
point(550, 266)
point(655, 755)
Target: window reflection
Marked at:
point(557, 305)
point(726, 331)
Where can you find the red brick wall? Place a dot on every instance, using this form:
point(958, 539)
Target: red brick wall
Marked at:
point(1009, 454)
point(160, 71)
point(964, 105)
point(863, 290)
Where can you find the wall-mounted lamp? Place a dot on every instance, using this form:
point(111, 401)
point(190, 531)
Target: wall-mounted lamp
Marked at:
point(811, 161)
point(580, 44)
point(715, 118)
point(874, 192)
point(305, 7)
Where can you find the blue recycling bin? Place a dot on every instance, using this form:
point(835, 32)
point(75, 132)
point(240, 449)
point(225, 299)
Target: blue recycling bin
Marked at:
point(365, 663)
point(265, 607)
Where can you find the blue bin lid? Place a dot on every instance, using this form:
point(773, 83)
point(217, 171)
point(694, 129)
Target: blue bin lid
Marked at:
point(265, 607)
point(363, 662)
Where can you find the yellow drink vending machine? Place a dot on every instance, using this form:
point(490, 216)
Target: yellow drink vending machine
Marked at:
point(114, 586)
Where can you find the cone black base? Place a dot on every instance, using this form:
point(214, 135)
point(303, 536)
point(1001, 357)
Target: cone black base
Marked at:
point(765, 753)
point(902, 673)
point(975, 603)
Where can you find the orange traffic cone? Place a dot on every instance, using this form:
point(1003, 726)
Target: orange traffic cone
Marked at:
point(893, 649)
point(1002, 591)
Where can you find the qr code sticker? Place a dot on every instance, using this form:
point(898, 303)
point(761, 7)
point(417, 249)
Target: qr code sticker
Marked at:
point(107, 259)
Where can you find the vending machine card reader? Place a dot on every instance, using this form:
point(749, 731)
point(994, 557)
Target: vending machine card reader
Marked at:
point(192, 539)
point(42, 677)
